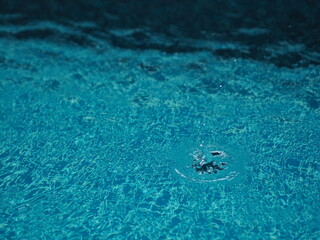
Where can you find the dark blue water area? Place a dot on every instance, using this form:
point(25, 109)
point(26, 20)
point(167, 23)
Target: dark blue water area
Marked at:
point(105, 107)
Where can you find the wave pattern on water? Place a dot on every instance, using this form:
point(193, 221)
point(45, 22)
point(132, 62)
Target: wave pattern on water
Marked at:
point(95, 118)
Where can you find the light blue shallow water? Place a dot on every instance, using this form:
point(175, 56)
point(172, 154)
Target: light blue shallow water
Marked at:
point(91, 137)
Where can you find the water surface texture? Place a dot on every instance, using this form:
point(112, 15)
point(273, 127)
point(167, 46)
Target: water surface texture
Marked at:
point(103, 104)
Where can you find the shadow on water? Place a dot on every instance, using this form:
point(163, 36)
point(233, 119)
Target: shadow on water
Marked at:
point(284, 33)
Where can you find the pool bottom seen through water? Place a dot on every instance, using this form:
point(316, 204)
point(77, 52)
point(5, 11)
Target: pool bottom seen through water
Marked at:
point(99, 143)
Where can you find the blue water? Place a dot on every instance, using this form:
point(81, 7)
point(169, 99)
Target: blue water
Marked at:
point(92, 136)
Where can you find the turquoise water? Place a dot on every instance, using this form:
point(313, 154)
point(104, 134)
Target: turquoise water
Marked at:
point(92, 137)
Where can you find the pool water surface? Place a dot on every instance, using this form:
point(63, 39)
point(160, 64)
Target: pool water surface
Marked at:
point(97, 141)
